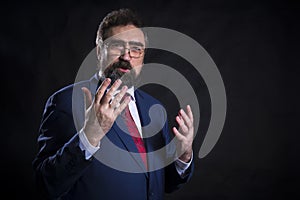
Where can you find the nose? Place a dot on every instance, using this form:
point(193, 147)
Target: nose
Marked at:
point(126, 54)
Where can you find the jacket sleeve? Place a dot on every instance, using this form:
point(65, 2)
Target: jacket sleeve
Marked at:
point(60, 161)
point(173, 180)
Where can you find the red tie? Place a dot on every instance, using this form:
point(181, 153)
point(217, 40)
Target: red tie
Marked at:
point(135, 135)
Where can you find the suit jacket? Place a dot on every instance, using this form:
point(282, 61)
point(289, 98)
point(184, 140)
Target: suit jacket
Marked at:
point(115, 172)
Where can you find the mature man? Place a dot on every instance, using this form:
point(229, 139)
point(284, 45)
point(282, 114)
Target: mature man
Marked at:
point(93, 144)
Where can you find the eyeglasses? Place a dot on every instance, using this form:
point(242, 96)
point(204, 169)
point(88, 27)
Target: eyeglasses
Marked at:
point(118, 48)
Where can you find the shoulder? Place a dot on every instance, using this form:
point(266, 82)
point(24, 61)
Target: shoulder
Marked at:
point(68, 90)
point(62, 98)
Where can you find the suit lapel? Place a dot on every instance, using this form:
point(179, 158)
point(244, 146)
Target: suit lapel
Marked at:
point(143, 108)
point(141, 104)
point(121, 130)
point(155, 144)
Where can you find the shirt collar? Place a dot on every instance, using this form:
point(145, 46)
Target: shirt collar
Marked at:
point(130, 91)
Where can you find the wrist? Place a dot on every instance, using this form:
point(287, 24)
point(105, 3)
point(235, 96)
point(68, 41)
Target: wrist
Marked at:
point(92, 136)
point(186, 156)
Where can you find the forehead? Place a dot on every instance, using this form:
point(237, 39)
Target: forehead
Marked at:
point(127, 33)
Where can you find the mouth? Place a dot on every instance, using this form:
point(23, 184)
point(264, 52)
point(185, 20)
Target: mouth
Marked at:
point(123, 70)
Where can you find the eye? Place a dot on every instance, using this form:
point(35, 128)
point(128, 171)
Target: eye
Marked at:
point(116, 45)
point(136, 48)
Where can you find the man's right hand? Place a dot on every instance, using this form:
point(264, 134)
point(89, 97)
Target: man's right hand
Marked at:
point(101, 113)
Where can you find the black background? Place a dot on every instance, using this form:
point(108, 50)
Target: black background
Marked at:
point(254, 44)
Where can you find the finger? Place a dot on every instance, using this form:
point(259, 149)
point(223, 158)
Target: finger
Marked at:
point(181, 124)
point(178, 135)
point(116, 101)
point(101, 90)
point(87, 97)
point(190, 113)
point(122, 106)
point(108, 96)
point(186, 118)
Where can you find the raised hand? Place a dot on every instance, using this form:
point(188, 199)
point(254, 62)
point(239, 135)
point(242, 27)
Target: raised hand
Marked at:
point(101, 113)
point(185, 133)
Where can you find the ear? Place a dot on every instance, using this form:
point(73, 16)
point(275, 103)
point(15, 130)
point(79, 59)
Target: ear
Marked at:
point(98, 52)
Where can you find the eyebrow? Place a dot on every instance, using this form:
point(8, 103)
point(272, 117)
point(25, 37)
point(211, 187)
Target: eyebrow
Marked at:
point(130, 42)
point(136, 43)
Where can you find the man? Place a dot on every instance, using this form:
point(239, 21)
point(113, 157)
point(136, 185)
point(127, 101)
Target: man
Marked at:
point(87, 149)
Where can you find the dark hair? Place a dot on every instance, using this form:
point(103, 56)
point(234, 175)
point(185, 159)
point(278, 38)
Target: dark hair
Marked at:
point(123, 16)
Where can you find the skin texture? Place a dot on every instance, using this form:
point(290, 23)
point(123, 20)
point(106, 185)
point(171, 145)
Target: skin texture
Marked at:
point(101, 113)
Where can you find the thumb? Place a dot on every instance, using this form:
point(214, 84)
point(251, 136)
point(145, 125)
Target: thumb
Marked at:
point(87, 97)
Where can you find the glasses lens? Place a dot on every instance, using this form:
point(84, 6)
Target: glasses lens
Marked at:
point(135, 51)
point(117, 48)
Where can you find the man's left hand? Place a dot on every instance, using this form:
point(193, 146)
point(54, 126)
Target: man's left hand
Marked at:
point(185, 133)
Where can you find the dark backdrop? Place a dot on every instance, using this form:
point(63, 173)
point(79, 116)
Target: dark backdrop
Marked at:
point(254, 44)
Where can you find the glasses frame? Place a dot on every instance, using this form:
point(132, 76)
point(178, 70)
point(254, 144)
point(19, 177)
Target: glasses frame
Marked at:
point(130, 44)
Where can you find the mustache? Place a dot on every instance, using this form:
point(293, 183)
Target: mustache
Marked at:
point(113, 73)
point(121, 64)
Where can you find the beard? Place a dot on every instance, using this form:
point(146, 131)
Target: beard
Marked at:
point(128, 78)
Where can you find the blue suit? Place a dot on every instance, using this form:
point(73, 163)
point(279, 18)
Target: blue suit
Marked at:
point(63, 172)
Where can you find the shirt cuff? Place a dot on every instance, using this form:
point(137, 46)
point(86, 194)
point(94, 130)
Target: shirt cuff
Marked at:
point(181, 166)
point(86, 146)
